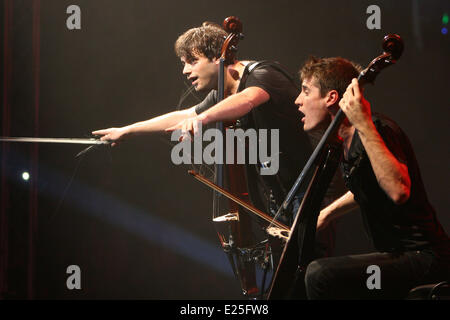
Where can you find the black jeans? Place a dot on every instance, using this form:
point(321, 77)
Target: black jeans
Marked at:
point(347, 277)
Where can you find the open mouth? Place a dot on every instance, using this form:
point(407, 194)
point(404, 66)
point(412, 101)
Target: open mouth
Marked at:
point(193, 80)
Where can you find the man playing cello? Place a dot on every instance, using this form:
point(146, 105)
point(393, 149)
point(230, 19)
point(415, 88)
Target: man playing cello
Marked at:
point(384, 180)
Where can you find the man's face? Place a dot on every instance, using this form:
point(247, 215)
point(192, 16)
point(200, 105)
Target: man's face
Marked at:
point(312, 105)
point(201, 72)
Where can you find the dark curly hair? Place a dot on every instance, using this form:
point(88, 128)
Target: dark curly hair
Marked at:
point(206, 40)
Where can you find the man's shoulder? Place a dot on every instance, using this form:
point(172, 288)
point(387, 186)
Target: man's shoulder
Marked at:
point(393, 135)
point(270, 73)
point(265, 66)
point(383, 121)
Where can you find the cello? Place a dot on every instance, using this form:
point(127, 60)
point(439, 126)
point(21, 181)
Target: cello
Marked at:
point(299, 249)
point(233, 228)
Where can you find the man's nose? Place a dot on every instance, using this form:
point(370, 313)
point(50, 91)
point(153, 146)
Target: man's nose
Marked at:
point(299, 100)
point(186, 69)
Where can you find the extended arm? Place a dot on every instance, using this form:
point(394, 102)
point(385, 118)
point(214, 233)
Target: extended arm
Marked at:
point(155, 124)
point(233, 107)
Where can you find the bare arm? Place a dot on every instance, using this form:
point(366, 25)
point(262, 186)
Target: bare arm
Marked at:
point(391, 174)
point(336, 209)
point(160, 123)
point(233, 107)
point(155, 124)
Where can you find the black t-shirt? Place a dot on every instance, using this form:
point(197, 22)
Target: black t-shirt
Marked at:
point(279, 112)
point(409, 226)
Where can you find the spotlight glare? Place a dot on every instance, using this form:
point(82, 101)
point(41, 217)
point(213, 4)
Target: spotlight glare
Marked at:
point(25, 176)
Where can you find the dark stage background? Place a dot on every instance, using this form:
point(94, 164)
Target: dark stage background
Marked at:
point(138, 226)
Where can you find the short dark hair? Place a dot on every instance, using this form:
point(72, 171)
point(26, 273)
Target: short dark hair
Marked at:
point(331, 73)
point(206, 40)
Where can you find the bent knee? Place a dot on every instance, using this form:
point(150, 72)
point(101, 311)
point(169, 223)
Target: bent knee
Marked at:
point(318, 277)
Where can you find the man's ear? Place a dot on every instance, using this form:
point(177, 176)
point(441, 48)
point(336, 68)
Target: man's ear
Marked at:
point(332, 98)
point(332, 101)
